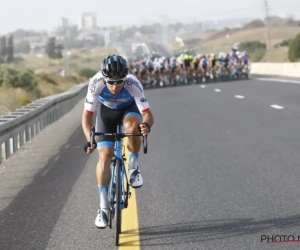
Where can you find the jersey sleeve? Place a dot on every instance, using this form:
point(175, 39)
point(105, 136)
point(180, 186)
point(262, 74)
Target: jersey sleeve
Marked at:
point(136, 90)
point(95, 87)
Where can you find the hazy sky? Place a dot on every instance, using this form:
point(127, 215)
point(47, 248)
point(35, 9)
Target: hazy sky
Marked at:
point(43, 14)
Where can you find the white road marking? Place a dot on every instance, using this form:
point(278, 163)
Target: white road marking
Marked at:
point(203, 86)
point(276, 80)
point(275, 106)
point(239, 96)
point(217, 90)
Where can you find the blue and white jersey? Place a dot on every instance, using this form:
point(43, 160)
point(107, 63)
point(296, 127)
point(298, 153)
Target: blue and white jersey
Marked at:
point(204, 61)
point(98, 92)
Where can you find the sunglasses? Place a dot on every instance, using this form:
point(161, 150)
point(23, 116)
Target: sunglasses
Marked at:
point(115, 82)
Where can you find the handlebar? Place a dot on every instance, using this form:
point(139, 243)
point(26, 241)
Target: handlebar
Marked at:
point(119, 136)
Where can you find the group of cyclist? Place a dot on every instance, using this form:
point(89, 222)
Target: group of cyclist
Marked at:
point(189, 67)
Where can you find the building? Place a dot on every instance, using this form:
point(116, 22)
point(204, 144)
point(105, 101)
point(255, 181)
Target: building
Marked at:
point(62, 23)
point(88, 21)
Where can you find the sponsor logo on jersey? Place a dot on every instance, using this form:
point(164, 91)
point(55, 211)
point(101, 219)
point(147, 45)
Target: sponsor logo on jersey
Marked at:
point(121, 100)
point(92, 85)
point(115, 100)
point(88, 101)
point(133, 82)
point(143, 100)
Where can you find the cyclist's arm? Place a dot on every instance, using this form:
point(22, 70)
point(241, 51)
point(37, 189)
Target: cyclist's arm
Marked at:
point(144, 108)
point(87, 124)
point(95, 87)
point(136, 90)
point(148, 117)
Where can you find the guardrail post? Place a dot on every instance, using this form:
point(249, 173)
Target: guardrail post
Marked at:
point(15, 143)
point(42, 123)
point(32, 130)
point(55, 114)
point(38, 126)
point(21, 135)
point(59, 111)
point(7, 149)
point(1, 154)
point(27, 135)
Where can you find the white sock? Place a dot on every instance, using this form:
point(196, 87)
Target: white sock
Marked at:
point(133, 161)
point(103, 191)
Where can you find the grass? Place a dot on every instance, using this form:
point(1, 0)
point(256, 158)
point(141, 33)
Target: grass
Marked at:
point(12, 98)
point(276, 55)
point(78, 58)
point(49, 81)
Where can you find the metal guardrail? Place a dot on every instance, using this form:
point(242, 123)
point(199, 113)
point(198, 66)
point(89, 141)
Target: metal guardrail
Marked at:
point(20, 126)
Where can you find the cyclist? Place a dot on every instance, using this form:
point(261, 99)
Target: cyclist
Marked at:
point(116, 96)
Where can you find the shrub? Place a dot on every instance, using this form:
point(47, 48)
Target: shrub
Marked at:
point(87, 72)
point(14, 78)
point(256, 49)
point(294, 49)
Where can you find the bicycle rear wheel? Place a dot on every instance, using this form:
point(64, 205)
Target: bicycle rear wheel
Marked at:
point(118, 210)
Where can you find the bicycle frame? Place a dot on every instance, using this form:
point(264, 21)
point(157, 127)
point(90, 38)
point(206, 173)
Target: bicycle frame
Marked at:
point(118, 154)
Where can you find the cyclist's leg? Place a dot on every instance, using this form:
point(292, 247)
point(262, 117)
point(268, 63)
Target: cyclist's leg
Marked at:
point(132, 118)
point(106, 122)
point(130, 124)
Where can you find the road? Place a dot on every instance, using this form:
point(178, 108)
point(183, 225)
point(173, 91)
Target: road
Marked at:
point(126, 49)
point(158, 48)
point(222, 171)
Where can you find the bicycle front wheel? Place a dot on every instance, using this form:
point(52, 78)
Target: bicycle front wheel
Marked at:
point(118, 210)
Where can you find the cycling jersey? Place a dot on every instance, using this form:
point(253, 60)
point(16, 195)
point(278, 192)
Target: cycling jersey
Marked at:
point(98, 92)
point(149, 64)
point(204, 62)
point(245, 60)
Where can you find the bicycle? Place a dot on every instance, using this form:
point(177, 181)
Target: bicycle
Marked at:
point(118, 193)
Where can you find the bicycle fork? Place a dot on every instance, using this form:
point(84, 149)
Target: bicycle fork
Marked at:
point(125, 193)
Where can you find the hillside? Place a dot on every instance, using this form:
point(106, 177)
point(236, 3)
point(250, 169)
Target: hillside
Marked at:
point(224, 40)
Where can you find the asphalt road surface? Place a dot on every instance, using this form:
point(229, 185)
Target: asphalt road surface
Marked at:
point(158, 48)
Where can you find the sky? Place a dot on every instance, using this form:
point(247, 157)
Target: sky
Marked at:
point(43, 14)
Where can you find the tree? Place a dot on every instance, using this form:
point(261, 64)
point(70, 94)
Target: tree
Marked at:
point(3, 48)
point(294, 49)
point(10, 49)
point(50, 47)
point(58, 51)
point(54, 51)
